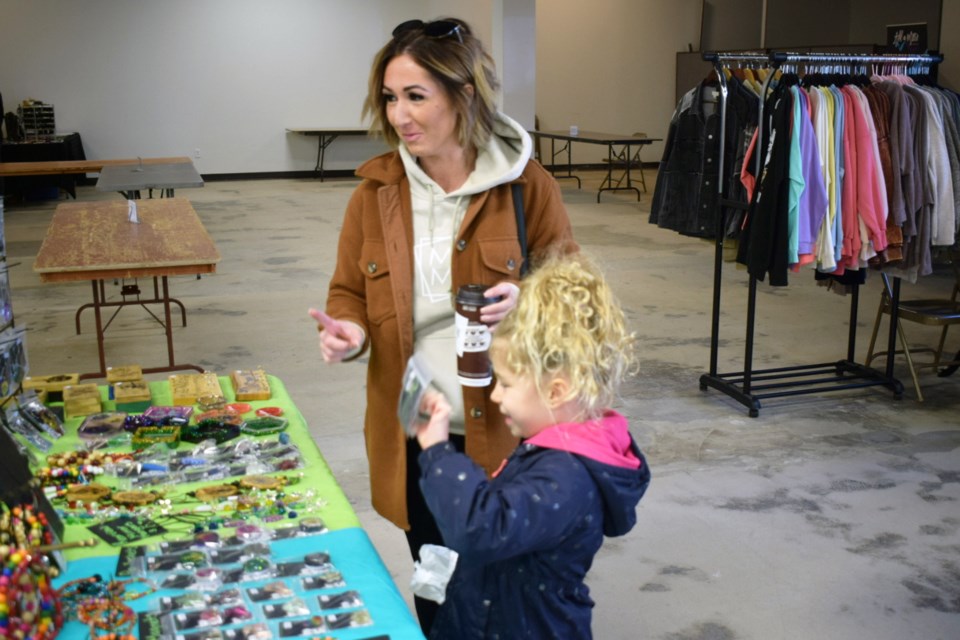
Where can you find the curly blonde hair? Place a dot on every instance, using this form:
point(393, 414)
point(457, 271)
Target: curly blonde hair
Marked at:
point(454, 63)
point(567, 322)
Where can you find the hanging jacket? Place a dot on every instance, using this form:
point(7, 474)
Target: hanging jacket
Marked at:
point(686, 196)
point(765, 239)
point(527, 537)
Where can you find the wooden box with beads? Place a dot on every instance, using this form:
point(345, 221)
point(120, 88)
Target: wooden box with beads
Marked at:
point(132, 396)
point(127, 373)
point(81, 400)
point(250, 384)
point(51, 387)
point(187, 388)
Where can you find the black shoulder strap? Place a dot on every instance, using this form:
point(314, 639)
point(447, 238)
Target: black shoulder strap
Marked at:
point(521, 226)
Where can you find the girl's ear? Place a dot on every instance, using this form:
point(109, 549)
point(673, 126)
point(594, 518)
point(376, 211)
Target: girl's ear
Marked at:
point(558, 391)
point(469, 90)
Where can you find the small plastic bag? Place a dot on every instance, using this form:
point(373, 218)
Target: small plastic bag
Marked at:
point(433, 572)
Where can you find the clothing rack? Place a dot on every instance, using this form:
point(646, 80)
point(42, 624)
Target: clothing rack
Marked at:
point(750, 385)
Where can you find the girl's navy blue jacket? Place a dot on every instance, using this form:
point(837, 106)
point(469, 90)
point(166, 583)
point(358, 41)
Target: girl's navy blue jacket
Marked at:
point(527, 537)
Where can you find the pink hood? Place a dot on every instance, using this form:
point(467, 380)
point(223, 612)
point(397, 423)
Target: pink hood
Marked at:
point(606, 440)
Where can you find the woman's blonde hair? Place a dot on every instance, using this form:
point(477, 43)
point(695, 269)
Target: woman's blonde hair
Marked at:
point(567, 322)
point(454, 61)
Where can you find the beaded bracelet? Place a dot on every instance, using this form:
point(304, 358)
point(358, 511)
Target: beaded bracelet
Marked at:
point(105, 613)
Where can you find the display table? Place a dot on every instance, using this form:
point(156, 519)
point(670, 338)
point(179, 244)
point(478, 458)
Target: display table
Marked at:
point(350, 551)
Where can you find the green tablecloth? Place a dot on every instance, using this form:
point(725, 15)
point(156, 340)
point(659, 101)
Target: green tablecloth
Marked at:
point(335, 509)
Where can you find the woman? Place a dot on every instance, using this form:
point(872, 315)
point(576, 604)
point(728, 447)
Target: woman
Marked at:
point(433, 215)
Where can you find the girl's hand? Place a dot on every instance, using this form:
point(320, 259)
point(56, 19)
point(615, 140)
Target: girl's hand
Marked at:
point(338, 339)
point(492, 314)
point(437, 428)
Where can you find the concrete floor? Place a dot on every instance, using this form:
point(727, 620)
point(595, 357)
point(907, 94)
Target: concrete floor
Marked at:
point(828, 516)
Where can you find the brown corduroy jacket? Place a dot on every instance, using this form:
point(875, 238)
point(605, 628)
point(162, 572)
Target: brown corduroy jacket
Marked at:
point(372, 285)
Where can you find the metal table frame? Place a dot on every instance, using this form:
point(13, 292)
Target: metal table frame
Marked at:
point(325, 136)
point(618, 153)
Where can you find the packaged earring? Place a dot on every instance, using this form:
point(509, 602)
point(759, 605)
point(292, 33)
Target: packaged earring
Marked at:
point(348, 619)
point(289, 609)
point(342, 600)
point(298, 628)
point(6, 307)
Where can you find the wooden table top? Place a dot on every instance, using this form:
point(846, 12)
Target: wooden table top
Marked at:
point(54, 167)
point(96, 241)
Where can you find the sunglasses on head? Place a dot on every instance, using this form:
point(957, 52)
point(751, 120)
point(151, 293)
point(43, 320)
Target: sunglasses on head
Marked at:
point(436, 29)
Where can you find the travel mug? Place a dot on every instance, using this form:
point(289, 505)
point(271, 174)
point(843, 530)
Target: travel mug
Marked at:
point(472, 337)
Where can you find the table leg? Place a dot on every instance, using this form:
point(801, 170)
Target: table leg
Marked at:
point(607, 184)
point(102, 373)
point(168, 330)
point(168, 327)
point(163, 297)
point(553, 161)
point(323, 141)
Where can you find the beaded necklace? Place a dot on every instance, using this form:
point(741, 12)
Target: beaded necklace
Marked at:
point(29, 606)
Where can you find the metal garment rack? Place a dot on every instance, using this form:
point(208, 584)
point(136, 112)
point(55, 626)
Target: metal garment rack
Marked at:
point(750, 385)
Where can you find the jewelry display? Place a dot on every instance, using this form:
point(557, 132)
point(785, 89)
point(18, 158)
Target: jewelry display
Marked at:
point(29, 606)
point(250, 384)
point(343, 600)
point(211, 401)
point(216, 492)
point(134, 498)
point(272, 591)
point(263, 482)
point(106, 614)
point(289, 609)
point(23, 527)
point(159, 413)
point(145, 437)
point(223, 415)
point(13, 360)
point(263, 426)
point(91, 493)
point(348, 619)
point(215, 429)
point(213, 545)
point(102, 426)
point(326, 580)
point(238, 408)
point(196, 388)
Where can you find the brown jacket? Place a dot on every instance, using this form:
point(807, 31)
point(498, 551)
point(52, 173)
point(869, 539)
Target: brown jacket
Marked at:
point(373, 286)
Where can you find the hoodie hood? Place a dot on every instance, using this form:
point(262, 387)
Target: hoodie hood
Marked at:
point(502, 160)
point(613, 459)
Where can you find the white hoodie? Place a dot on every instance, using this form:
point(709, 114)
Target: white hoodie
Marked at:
point(436, 224)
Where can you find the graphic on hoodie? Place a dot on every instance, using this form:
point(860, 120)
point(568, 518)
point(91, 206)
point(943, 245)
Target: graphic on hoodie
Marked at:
point(431, 256)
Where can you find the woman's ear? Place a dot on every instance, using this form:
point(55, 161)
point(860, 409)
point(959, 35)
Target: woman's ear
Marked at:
point(469, 90)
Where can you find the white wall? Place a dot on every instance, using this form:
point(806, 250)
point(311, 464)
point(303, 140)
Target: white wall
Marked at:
point(166, 77)
point(163, 78)
point(610, 66)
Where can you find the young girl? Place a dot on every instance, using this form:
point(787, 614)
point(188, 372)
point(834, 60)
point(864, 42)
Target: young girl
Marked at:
point(527, 536)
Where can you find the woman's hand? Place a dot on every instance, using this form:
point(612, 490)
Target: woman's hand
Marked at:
point(437, 428)
point(492, 314)
point(338, 339)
